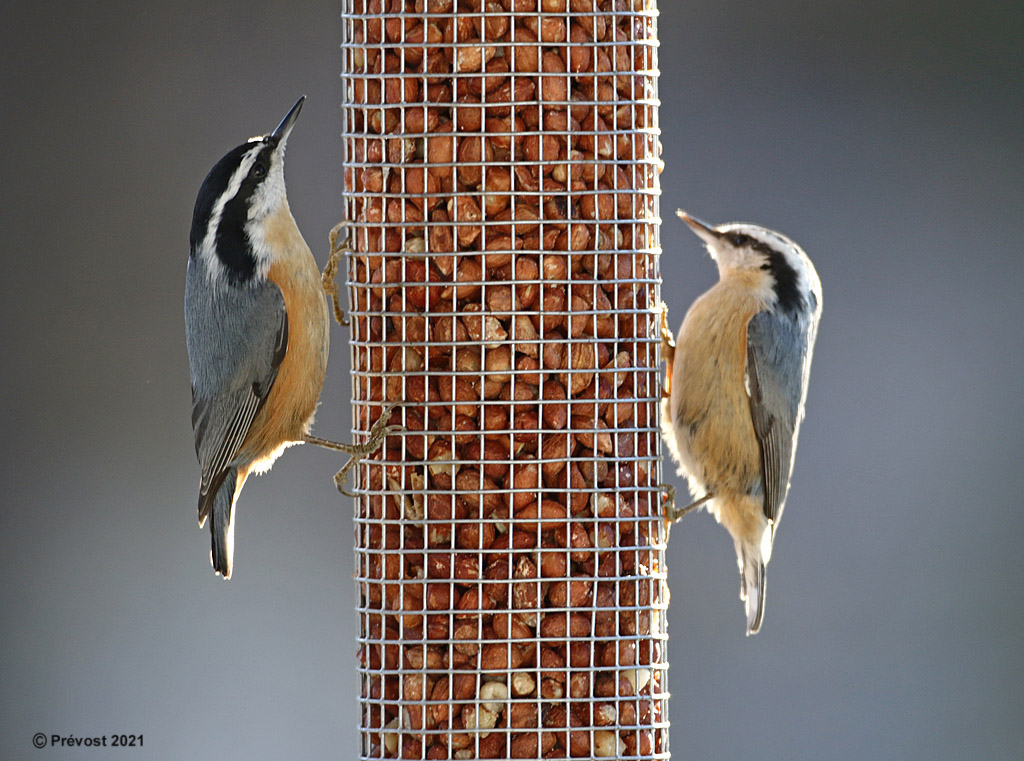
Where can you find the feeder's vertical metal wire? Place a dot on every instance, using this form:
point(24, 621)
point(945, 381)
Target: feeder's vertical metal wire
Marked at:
point(501, 190)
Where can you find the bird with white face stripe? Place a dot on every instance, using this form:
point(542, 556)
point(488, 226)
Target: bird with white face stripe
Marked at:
point(736, 389)
point(256, 326)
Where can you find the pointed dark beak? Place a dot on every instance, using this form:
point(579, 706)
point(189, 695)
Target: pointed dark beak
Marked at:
point(704, 231)
point(280, 135)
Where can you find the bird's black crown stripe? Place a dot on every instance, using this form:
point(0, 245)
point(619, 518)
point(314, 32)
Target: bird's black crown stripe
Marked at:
point(213, 187)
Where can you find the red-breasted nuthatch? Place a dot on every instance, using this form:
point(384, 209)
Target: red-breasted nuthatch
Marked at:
point(737, 385)
point(256, 325)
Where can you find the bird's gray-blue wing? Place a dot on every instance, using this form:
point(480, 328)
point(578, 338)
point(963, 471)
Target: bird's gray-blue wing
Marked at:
point(237, 338)
point(777, 365)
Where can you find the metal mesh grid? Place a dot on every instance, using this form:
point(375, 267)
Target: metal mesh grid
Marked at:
point(501, 182)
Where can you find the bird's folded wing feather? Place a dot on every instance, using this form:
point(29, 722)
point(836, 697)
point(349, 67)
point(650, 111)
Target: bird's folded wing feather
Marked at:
point(241, 336)
point(775, 380)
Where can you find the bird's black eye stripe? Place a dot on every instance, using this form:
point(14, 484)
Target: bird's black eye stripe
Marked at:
point(782, 272)
point(774, 261)
point(786, 282)
point(232, 245)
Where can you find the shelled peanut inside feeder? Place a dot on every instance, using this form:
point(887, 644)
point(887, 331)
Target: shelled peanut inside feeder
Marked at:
point(501, 184)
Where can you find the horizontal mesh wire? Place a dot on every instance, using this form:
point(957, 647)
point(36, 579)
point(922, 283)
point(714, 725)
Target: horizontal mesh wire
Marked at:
point(501, 192)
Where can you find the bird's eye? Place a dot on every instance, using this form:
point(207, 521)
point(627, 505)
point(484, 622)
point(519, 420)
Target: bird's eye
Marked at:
point(737, 239)
point(259, 170)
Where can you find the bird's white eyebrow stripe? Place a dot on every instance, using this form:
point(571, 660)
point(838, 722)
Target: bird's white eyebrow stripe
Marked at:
point(244, 165)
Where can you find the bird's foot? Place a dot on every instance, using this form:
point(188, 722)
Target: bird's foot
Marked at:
point(668, 339)
point(378, 433)
point(674, 514)
point(668, 351)
point(328, 278)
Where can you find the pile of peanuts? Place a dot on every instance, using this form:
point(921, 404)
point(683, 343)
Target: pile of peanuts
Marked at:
point(501, 177)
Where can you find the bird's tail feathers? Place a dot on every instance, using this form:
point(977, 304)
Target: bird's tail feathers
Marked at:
point(752, 587)
point(219, 507)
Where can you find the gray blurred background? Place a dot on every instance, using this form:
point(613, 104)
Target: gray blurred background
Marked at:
point(886, 140)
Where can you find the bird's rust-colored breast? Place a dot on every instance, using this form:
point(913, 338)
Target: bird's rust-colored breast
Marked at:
point(288, 411)
point(711, 404)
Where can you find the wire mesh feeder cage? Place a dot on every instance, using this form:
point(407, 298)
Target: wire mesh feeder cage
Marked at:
point(501, 182)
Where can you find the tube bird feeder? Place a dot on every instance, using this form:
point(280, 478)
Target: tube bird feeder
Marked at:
point(501, 191)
